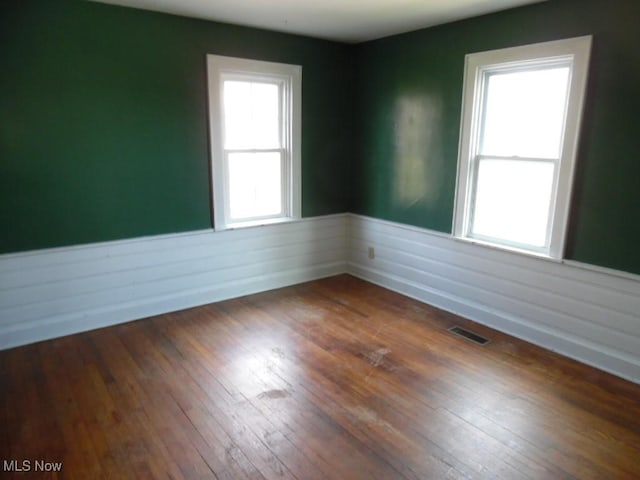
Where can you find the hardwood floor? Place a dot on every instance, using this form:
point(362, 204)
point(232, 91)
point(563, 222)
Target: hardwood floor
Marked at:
point(334, 379)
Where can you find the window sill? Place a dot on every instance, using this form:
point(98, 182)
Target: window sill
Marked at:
point(507, 248)
point(255, 223)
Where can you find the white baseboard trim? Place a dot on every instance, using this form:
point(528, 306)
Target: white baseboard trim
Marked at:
point(424, 266)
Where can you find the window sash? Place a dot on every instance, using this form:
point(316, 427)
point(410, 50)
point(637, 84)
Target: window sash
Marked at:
point(284, 185)
point(555, 162)
point(484, 74)
point(283, 120)
point(540, 65)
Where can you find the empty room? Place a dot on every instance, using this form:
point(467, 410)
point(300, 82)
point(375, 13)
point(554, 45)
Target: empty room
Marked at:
point(320, 239)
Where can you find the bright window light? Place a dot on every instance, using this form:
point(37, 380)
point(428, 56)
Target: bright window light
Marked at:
point(512, 201)
point(524, 113)
point(251, 115)
point(254, 184)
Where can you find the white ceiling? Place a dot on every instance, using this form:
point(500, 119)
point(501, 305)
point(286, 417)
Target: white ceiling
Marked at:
point(342, 20)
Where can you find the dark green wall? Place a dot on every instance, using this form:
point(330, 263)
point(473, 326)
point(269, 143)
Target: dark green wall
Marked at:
point(103, 120)
point(408, 111)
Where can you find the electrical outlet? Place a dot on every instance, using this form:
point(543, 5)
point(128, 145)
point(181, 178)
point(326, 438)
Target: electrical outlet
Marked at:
point(372, 253)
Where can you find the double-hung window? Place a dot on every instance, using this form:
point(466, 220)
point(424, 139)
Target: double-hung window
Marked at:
point(254, 113)
point(520, 122)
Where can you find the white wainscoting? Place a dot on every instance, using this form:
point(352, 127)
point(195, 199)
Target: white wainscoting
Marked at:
point(54, 292)
point(590, 315)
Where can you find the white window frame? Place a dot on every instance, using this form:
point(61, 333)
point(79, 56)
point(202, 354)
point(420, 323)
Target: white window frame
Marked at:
point(574, 51)
point(289, 78)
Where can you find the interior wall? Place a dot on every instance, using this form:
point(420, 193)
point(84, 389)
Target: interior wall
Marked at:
point(103, 120)
point(409, 104)
point(59, 291)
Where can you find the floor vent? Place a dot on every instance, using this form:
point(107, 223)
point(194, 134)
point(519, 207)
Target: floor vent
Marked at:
point(474, 337)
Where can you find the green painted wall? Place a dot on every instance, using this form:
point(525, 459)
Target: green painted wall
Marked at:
point(408, 111)
point(103, 120)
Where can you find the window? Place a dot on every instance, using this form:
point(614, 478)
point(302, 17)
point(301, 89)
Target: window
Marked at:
point(520, 120)
point(254, 113)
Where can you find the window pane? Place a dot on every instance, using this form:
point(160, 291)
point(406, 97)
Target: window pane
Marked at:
point(524, 113)
point(254, 184)
point(512, 201)
point(251, 115)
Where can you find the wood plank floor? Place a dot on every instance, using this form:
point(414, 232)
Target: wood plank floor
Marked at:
point(333, 379)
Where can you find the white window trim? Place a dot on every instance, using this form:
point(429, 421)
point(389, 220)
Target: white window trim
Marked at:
point(290, 76)
point(476, 64)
